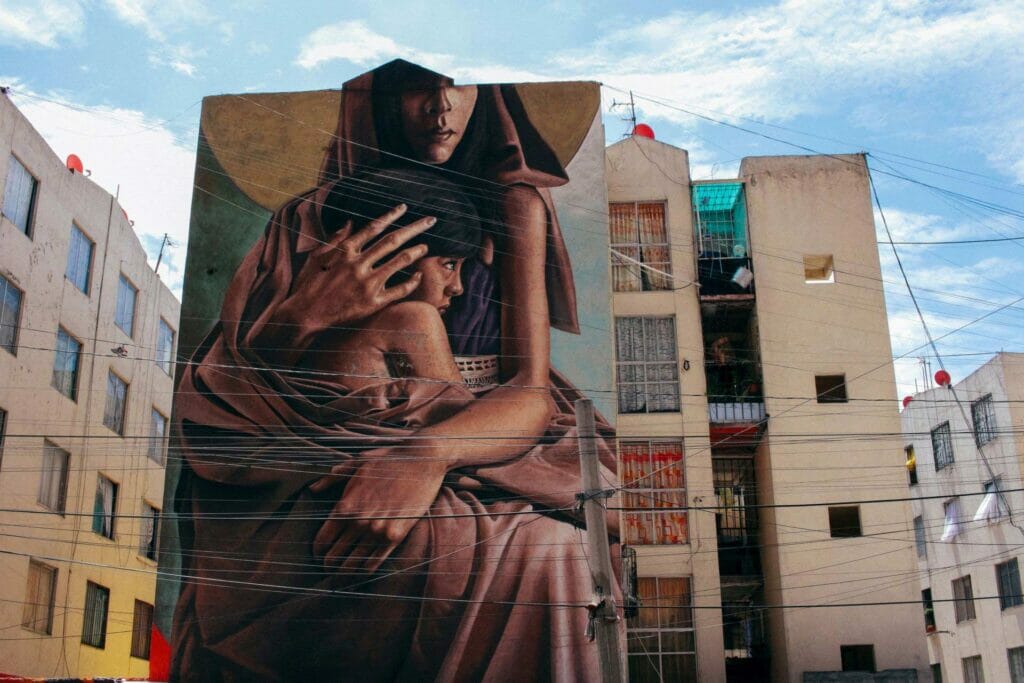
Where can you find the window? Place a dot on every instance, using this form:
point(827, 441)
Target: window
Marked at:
point(104, 507)
point(942, 446)
point(920, 539)
point(164, 346)
point(984, 420)
point(94, 626)
point(936, 673)
point(963, 599)
point(53, 482)
point(993, 506)
point(660, 638)
point(157, 436)
point(3, 430)
point(929, 610)
point(117, 395)
point(648, 374)
point(652, 474)
point(639, 247)
point(973, 672)
point(1016, 660)
point(857, 657)
point(819, 269)
point(79, 266)
point(65, 364)
point(951, 525)
point(911, 464)
point(1008, 580)
point(142, 627)
point(19, 196)
point(10, 315)
point(844, 522)
point(124, 317)
point(830, 388)
point(149, 538)
point(37, 614)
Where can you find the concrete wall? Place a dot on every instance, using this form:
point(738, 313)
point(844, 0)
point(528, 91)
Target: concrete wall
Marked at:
point(640, 169)
point(36, 411)
point(981, 545)
point(828, 452)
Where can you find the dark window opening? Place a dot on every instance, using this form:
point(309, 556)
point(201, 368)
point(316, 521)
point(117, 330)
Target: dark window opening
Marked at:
point(844, 522)
point(830, 388)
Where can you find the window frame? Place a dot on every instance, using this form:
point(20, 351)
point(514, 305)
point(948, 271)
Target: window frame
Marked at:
point(1007, 574)
point(644, 279)
point(963, 599)
point(828, 390)
point(104, 523)
point(942, 444)
point(31, 606)
point(1015, 661)
point(149, 543)
point(6, 284)
point(56, 382)
point(30, 214)
point(157, 447)
point(50, 451)
point(92, 591)
point(975, 675)
point(986, 432)
point(142, 632)
point(636, 395)
point(115, 422)
point(920, 538)
point(124, 287)
point(640, 502)
point(78, 238)
point(166, 364)
point(911, 463)
point(3, 435)
point(928, 604)
point(636, 627)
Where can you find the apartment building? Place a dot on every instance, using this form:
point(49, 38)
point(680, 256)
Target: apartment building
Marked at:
point(755, 418)
point(964, 470)
point(87, 338)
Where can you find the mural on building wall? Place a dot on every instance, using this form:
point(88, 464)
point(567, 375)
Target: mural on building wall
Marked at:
point(394, 294)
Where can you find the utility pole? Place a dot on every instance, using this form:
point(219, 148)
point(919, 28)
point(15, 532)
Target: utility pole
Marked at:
point(604, 617)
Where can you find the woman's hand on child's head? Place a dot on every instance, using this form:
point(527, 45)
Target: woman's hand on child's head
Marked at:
point(347, 282)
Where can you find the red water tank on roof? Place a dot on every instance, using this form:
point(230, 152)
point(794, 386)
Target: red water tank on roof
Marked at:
point(643, 130)
point(75, 164)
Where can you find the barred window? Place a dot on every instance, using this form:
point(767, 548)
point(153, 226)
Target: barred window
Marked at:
point(65, 364)
point(984, 420)
point(10, 315)
point(963, 597)
point(19, 196)
point(660, 638)
point(942, 446)
point(94, 625)
point(124, 316)
point(79, 267)
point(37, 613)
point(142, 628)
point(117, 401)
point(104, 507)
point(646, 365)
point(639, 247)
point(652, 474)
point(1008, 579)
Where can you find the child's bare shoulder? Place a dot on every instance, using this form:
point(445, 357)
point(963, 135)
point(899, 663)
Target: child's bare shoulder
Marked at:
point(411, 313)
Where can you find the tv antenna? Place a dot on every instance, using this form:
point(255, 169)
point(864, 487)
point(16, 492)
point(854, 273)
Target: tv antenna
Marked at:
point(631, 117)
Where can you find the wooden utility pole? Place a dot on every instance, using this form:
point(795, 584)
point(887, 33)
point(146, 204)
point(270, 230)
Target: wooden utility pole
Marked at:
point(603, 611)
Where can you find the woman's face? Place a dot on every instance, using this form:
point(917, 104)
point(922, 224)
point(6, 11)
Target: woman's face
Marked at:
point(434, 121)
point(442, 280)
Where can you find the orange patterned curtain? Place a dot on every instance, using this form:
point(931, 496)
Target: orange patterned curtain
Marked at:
point(654, 245)
point(622, 223)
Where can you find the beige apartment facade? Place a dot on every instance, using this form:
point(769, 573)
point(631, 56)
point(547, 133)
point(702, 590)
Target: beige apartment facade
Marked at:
point(964, 454)
point(87, 338)
point(776, 385)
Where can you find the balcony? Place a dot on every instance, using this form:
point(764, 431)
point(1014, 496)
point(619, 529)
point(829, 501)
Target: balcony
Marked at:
point(724, 268)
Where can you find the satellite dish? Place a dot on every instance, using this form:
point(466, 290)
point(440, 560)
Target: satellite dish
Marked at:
point(75, 164)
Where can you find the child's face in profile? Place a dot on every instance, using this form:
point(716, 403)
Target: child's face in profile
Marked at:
point(442, 280)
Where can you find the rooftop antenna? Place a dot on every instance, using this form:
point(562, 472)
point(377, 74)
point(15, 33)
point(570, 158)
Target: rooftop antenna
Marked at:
point(631, 117)
point(166, 242)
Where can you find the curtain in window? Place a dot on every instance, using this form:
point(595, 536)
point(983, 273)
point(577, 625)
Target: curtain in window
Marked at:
point(951, 528)
point(654, 245)
point(991, 508)
point(622, 226)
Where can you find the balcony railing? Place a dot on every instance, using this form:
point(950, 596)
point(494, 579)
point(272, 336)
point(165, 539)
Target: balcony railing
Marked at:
point(725, 413)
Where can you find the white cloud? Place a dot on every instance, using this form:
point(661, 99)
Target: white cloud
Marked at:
point(128, 153)
point(157, 18)
point(44, 23)
point(354, 41)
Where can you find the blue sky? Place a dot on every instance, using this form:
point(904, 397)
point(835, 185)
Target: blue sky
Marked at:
point(933, 90)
